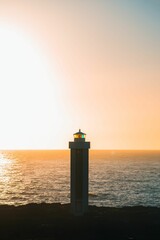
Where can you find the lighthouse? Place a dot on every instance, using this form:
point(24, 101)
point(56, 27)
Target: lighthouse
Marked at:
point(79, 173)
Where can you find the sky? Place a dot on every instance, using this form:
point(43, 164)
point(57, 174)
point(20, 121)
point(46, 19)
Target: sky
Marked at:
point(93, 65)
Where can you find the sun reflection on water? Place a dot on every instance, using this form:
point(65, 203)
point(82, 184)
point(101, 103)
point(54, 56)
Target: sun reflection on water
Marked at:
point(5, 165)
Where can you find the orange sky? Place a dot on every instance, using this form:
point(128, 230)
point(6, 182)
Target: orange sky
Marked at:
point(92, 65)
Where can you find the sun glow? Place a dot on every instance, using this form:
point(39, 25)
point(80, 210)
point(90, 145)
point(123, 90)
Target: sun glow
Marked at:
point(28, 92)
point(79, 65)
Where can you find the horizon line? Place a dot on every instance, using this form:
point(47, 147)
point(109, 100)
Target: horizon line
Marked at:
point(100, 149)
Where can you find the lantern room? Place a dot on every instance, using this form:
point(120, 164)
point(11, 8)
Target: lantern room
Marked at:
point(79, 136)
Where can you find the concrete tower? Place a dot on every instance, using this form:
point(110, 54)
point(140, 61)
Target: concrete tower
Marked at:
point(79, 173)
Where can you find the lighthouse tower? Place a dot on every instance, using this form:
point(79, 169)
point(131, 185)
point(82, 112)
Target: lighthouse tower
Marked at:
point(79, 173)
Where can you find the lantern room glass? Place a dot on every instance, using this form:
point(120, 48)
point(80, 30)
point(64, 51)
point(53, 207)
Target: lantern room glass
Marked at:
point(78, 135)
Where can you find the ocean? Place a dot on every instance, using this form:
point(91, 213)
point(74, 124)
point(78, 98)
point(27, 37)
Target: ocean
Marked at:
point(116, 178)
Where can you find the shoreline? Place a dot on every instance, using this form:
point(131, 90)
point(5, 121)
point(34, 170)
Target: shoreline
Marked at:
point(54, 221)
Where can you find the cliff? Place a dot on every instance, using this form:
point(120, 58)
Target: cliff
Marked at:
point(54, 221)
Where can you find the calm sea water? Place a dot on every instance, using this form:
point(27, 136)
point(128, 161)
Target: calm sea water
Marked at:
point(117, 178)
